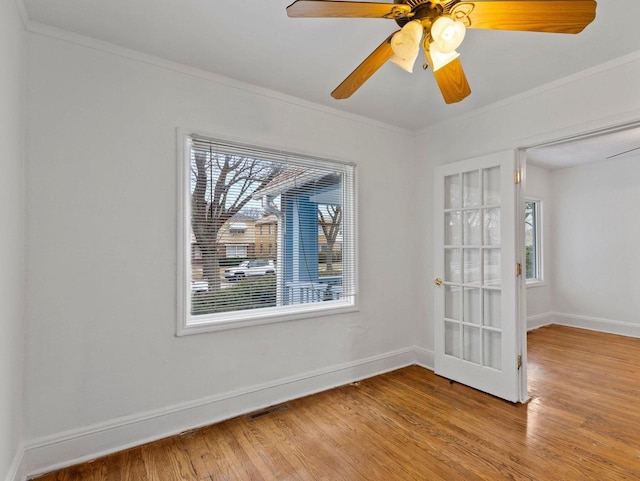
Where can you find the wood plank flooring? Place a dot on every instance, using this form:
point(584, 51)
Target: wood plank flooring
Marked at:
point(583, 423)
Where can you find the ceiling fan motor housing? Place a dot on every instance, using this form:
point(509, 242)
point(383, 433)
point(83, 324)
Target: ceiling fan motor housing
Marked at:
point(424, 10)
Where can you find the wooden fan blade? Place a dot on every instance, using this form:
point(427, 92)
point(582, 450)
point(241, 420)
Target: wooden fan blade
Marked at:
point(555, 16)
point(366, 69)
point(328, 8)
point(452, 81)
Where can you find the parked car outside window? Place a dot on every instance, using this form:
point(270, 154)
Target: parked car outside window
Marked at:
point(253, 268)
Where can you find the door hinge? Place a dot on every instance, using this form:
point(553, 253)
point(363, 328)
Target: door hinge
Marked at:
point(518, 269)
point(519, 362)
point(517, 177)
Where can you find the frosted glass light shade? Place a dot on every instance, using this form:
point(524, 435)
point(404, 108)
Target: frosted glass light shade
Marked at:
point(447, 33)
point(406, 45)
point(440, 59)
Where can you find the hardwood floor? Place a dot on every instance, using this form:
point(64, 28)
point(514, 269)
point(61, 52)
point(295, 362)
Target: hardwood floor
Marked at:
point(583, 423)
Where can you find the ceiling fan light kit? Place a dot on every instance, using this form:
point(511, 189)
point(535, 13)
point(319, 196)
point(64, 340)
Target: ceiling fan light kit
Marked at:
point(447, 33)
point(437, 58)
point(442, 24)
point(406, 45)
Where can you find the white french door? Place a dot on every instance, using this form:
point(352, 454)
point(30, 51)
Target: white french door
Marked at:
point(477, 317)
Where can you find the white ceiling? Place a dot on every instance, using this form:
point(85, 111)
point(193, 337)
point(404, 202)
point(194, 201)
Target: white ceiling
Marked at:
point(254, 41)
point(616, 144)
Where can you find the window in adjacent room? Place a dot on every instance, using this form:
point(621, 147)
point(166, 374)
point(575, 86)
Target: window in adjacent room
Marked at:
point(226, 189)
point(533, 250)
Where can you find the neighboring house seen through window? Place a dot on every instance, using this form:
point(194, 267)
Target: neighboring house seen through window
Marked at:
point(302, 208)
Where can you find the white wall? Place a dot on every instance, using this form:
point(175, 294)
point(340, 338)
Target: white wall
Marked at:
point(12, 79)
point(538, 187)
point(103, 363)
point(103, 367)
point(597, 98)
point(596, 237)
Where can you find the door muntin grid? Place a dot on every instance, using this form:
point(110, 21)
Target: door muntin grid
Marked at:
point(472, 276)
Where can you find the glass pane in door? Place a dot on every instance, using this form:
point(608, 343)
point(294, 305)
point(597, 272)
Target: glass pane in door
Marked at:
point(452, 303)
point(491, 186)
point(452, 229)
point(472, 228)
point(492, 349)
point(472, 312)
point(452, 192)
point(452, 339)
point(472, 344)
point(471, 194)
point(471, 266)
point(452, 265)
point(492, 308)
point(492, 267)
point(491, 227)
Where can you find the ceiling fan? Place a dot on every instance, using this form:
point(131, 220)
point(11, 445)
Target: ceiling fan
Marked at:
point(439, 26)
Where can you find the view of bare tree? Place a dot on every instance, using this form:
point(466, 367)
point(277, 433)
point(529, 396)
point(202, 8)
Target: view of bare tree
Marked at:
point(330, 221)
point(222, 185)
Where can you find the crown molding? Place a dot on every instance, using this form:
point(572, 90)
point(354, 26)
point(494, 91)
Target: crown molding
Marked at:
point(548, 87)
point(44, 30)
point(23, 13)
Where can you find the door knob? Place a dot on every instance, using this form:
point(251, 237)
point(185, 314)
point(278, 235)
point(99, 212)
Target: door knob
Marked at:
point(437, 281)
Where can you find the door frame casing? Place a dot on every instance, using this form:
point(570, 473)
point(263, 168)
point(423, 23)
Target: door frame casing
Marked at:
point(521, 281)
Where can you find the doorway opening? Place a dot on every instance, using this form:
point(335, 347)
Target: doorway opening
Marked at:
point(587, 237)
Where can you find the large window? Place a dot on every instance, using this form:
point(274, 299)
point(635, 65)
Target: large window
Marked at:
point(302, 208)
point(533, 248)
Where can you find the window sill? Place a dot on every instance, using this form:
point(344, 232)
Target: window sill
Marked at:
point(536, 283)
point(239, 319)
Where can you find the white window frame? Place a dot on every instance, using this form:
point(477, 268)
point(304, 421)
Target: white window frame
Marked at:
point(188, 324)
point(537, 244)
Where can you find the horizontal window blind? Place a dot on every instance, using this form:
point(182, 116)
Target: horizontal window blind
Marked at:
point(270, 232)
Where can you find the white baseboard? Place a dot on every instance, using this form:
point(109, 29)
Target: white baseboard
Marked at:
point(64, 449)
point(597, 324)
point(583, 322)
point(79, 445)
point(535, 322)
point(17, 469)
point(424, 357)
